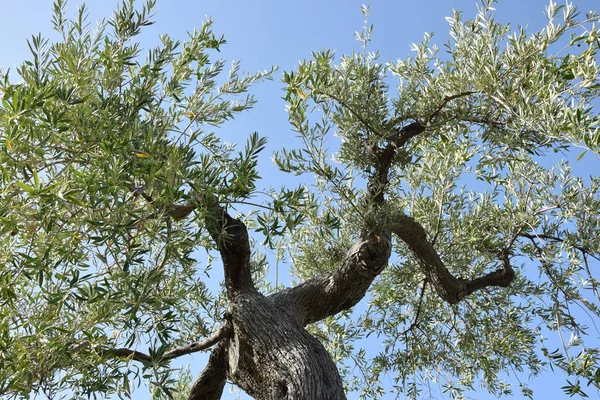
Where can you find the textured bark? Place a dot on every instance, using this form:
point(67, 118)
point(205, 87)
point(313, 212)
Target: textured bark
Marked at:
point(210, 383)
point(268, 353)
point(231, 238)
point(341, 289)
point(271, 356)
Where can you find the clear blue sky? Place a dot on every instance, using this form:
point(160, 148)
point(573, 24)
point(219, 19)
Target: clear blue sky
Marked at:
point(263, 33)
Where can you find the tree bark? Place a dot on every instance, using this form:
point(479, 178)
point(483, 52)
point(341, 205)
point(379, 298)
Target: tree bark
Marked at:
point(272, 356)
point(331, 293)
point(448, 287)
point(210, 383)
point(268, 354)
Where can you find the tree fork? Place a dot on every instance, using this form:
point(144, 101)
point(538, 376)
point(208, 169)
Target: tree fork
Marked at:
point(269, 354)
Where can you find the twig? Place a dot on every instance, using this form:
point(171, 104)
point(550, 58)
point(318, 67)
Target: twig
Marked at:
point(560, 240)
point(448, 99)
point(356, 114)
point(419, 306)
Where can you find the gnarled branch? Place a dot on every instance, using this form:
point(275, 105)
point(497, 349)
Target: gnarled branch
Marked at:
point(229, 234)
point(448, 287)
point(231, 237)
point(329, 294)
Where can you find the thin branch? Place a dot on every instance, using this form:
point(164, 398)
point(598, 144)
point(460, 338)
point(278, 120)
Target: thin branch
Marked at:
point(485, 121)
point(544, 264)
point(175, 211)
point(448, 99)
point(592, 280)
point(249, 203)
point(134, 354)
point(582, 249)
point(223, 332)
point(356, 114)
point(415, 323)
point(439, 217)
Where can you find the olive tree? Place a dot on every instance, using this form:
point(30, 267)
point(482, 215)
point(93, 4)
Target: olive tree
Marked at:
point(431, 201)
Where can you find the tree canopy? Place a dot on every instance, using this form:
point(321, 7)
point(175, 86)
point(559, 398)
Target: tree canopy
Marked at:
point(433, 198)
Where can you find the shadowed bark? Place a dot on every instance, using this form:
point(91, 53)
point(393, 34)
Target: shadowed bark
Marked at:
point(210, 383)
point(269, 355)
point(329, 294)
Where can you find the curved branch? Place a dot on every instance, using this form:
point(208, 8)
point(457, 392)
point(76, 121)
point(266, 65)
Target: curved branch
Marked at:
point(231, 237)
point(447, 99)
point(229, 234)
point(223, 332)
point(448, 287)
point(341, 289)
point(329, 294)
point(383, 160)
point(581, 249)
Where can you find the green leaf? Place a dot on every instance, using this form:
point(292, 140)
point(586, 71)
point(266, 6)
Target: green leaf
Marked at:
point(26, 187)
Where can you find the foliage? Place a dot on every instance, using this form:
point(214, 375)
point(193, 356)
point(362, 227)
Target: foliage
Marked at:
point(88, 265)
point(497, 105)
point(99, 144)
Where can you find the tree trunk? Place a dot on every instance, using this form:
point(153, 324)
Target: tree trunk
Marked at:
point(272, 356)
point(268, 353)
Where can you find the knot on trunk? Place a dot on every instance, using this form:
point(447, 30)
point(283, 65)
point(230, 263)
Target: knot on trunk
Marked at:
point(371, 253)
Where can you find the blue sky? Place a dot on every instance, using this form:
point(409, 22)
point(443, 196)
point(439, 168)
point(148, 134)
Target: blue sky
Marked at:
point(263, 33)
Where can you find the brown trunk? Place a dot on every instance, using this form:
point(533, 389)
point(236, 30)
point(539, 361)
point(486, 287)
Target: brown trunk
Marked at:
point(271, 356)
point(268, 353)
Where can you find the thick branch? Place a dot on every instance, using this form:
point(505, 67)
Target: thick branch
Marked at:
point(341, 289)
point(383, 161)
point(210, 383)
point(223, 332)
point(331, 293)
point(231, 237)
point(446, 285)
